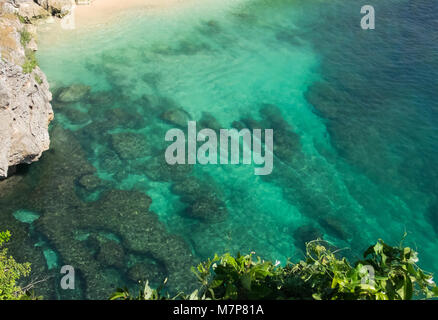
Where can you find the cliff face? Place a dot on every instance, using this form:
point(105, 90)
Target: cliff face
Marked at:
point(25, 110)
point(25, 114)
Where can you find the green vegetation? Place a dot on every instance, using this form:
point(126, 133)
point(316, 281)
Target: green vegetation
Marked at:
point(10, 272)
point(30, 62)
point(25, 37)
point(22, 19)
point(38, 79)
point(322, 275)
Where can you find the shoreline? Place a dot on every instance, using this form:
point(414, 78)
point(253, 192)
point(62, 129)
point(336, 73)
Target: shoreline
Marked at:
point(103, 11)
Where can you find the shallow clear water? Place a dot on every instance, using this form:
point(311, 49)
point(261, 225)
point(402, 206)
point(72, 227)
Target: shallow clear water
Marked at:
point(354, 115)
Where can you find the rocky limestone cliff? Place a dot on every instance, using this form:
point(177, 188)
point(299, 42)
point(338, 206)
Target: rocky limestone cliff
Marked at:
point(25, 114)
point(25, 110)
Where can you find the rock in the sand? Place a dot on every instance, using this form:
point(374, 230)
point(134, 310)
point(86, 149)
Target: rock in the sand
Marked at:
point(59, 8)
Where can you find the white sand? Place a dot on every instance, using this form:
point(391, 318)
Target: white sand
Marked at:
point(101, 11)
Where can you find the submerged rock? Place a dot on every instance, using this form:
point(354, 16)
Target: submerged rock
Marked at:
point(203, 197)
point(208, 209)
point(183, 47)
point(335, 227)
point(73, 93)
point(239, 125)
point(208, 121)
point(120, 117)
point(286, 142)
point(157, 169)
point(76, 116)
point(130, 145)
point(210, 28)
point(151, 105)
point(176, 116)
point(143, 271)
point(90, 182)
point(111, 254)
point(190, 187)
point(101, 98)
point(124, 214)
point(304, 234)
point(96, 131)
point(109, 161)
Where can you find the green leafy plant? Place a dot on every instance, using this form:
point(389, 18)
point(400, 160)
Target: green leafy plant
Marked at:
point(22, 19)
point(25, 37)
point(145, 293)
point(38, 79)
point(30, 62)
point(240, 277)
point(10, 272)
point(396, 275)
point(384, 273)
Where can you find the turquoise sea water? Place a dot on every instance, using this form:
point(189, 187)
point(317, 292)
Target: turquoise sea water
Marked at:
point(354, 114)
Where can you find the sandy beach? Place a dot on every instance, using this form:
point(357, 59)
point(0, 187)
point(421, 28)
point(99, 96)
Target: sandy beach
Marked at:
point(101, 11)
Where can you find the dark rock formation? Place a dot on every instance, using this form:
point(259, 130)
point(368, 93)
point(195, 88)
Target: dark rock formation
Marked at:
point(73, 93)
point(90, 182)
point(124, 214)
point(130, 145)
point(177, 116)
point(157, 169)
point(203, 197)
point(143, 271)
point(304, 234)
point(111, 254)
